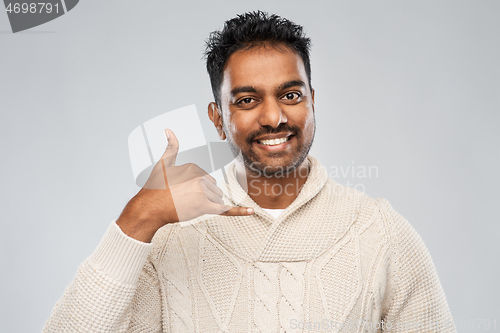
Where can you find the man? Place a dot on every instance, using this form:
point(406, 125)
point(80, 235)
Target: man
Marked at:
point(281, 248)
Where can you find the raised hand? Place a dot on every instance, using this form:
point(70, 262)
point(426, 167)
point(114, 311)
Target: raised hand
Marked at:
point(172, 194)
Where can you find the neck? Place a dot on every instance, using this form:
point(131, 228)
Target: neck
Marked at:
point(273, 192)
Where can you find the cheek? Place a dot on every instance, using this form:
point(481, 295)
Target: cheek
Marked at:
point(234, 126)
point(241, 124)
point(232, 129)
point(308, 124)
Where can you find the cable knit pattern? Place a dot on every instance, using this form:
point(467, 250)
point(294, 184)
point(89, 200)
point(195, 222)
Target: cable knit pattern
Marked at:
point(266, 297)
point(177, 289)
point(220, 279)
point(334, 258)
point(292, 288)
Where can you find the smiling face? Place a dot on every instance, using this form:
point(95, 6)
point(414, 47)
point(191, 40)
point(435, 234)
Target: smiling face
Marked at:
point(268, 109)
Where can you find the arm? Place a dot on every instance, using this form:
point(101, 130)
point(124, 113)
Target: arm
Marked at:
point(99, 297)
point(417, 302)
point(109, 292)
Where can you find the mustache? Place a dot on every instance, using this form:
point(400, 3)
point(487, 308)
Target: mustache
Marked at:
point(282, 128)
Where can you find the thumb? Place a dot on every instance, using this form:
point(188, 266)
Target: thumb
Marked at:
point(172, 149)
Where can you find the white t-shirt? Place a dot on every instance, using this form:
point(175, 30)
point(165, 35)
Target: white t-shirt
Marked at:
point(274, 212)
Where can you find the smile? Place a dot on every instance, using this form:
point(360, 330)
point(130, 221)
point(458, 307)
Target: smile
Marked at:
point(273, 142)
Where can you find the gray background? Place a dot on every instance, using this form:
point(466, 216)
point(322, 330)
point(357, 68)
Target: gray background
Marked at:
point(412, 88)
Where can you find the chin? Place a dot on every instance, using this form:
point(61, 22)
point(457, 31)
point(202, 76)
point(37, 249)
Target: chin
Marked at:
point(270, 167)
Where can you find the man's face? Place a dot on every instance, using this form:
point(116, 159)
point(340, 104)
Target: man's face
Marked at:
point(268, 109)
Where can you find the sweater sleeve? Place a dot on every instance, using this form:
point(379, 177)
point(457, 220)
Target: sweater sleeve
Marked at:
point(417, 302)
point(100, 297)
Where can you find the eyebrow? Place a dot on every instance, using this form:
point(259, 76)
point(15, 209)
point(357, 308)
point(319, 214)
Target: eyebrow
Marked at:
point(250, 89)
point(244, 89)
point(294, 83)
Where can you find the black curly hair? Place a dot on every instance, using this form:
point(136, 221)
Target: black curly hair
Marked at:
point(246, 31)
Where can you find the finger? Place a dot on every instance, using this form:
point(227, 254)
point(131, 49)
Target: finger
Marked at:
point(210, 178)
point(238, 211)
point(214, 189)
point(172, 149)
point(217, 200)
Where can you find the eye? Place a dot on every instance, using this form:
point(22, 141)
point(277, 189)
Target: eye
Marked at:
point(292, 97)
point(246, 100)
point(246, 103)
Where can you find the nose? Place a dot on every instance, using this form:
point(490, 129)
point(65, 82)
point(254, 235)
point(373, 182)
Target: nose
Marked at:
point(272, 114)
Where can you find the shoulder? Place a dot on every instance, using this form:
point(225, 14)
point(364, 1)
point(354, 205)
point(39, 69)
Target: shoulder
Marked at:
point(368, 212)
point(358, 206)
point(397, 228)
point(411, 274)
point(411, 260)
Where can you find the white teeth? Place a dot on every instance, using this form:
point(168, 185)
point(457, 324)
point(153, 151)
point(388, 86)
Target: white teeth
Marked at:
point(273, 142)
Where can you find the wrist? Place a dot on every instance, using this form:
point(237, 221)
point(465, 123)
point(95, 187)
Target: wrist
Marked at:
point(138, 223)
point(137, 229)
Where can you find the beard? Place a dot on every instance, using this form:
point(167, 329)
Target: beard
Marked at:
point(257, 166)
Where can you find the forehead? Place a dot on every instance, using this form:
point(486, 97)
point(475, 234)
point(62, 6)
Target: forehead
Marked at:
point(262, 67)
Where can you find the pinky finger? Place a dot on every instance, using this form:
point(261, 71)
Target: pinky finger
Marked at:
point(238, 211)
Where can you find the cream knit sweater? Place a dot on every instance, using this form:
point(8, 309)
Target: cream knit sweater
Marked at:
point(334, 260)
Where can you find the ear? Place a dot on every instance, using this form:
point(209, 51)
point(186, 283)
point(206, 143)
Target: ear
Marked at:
point(215, 115)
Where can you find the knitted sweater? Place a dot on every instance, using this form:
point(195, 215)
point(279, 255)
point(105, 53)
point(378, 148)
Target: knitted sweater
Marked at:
point(334, 260)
